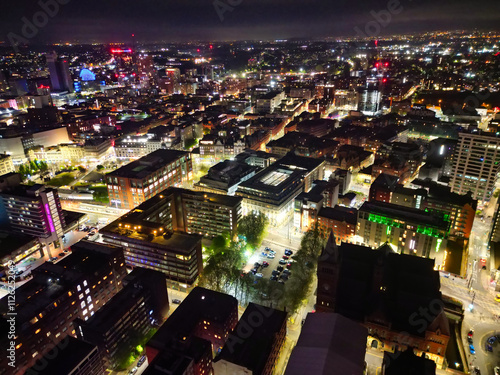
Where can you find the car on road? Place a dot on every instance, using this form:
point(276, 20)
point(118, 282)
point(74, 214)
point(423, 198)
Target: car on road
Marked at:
point(492, 340)
point(471, 333)
point(489, 347)
point(265, 264)
point(282, 261)
point(61, 254)
point(472, 350)
point(469, 340)
point(176, 301)
point(259, 275)
point(288, 252)
point(497, 298)
point(133, 371)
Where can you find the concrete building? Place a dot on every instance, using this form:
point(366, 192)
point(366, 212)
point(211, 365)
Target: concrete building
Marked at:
point(132, 148)
point(6, 164)
point(475, 165)
point(142, 179)
point(328, 344)
point(74, 287)
point(255, 352)
point(17, 247)
point(225, 177)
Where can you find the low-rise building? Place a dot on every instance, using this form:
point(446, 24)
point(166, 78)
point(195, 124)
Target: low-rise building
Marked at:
point(6, 164)
point(342, 221)
point(142, 179)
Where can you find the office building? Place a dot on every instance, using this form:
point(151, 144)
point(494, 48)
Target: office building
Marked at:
point(273, 190)
point(74, 357)
point(60, 76)
point(382, 290)
point(307, 205)
point(35, 211)
point(203, 316)
point(329, 343)
point(225, 177)
point(407, 230)
point(118, 326)
point(142, 179)
point(256, 350)
point(382, 188)
point(475, 165)
point(132, 148)
point(74, 287)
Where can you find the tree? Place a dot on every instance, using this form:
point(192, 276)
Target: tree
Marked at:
point(253, 227)
point(42, 166)
point(81, 169)
point(100, 167)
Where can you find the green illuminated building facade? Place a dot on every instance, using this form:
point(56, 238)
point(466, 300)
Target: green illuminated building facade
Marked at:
point(407, 230)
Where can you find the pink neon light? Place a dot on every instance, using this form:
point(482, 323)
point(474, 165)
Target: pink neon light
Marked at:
point(51, 223)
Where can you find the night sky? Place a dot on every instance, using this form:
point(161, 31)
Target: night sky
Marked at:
point(181, 20)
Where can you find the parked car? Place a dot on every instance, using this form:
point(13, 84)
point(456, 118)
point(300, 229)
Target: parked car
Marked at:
point(271, 256)
point(472, 350)
point(289, 265)
point(285, 257)
point(53, 259)
point(489, 347)
point(273, 278)
point(256, 265)
point(61, 254)
point(492, 340)
point(471, 333)
point(259, 275)
point(176, 301)
point(469, 340)
point(288, 252)
point(287, 272)
point(141, 361)
point(279, 268)
point(265, 264)
point(275, 273)
point(497, 370)
point(282, 261)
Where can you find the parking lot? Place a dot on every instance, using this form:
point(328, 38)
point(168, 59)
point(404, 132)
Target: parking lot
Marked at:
point(274, 263)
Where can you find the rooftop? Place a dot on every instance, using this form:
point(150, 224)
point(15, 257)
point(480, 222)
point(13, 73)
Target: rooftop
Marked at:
point(328, 341)
point(252, 350)
point(404, 213)
point(339, 213)
point(149, 164)
point(200, 304)
point(69, 357)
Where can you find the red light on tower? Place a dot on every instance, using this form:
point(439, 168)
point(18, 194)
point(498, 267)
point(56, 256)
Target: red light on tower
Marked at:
point(384, 80)
point(211, 47)
point(198, 50)
point(386, 64)
point(377, 65)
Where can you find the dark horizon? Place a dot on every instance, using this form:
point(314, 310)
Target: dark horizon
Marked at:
point(107, 22)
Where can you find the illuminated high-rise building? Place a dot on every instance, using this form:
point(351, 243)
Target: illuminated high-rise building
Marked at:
point(60, 76)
